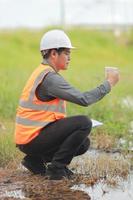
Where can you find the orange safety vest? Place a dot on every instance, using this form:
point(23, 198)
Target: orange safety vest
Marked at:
point(33, 114)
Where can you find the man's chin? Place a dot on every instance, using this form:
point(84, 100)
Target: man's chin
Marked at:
point(65, 67)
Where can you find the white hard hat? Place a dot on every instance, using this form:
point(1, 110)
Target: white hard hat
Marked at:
point(55, 39)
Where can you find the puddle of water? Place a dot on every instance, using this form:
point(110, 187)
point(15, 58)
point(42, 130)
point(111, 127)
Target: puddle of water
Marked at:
point(14, 193)
point(13, 190)
point(124, 143)
point(101, 191)
point(95, 153)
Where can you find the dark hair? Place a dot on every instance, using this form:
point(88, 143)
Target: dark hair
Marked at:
point(46, 53)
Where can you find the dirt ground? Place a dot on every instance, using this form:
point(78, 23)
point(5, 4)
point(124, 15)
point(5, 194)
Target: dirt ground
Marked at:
point(35, 187)
point(18, 183)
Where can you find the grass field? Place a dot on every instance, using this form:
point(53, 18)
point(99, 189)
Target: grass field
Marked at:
point(19, 55)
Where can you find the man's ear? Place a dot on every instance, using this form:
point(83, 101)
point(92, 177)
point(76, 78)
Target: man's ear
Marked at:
point(53, 53)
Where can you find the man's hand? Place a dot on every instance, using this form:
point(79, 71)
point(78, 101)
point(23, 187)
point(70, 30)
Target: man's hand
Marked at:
point(112, 76)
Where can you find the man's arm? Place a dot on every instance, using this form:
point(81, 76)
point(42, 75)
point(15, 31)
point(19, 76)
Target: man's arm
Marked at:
point(54, 85)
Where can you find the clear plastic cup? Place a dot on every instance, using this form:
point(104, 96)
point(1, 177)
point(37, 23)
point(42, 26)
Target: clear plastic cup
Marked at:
point(110, 70)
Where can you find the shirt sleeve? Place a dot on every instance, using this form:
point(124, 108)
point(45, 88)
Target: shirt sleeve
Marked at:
point(55, 86)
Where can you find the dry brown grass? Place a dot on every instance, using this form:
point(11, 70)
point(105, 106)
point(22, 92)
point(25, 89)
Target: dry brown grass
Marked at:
point(105, 166)
point(103, 141)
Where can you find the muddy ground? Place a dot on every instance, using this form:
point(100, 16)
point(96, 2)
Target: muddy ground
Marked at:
point(18, 184)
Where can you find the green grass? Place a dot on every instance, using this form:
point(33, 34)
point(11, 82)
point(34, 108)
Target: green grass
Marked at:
point(19, 55)
point(8, 150)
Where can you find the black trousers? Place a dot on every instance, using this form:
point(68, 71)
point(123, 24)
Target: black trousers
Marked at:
point(60, 141)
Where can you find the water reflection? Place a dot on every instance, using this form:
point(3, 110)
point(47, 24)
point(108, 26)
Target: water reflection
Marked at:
point(102, 191)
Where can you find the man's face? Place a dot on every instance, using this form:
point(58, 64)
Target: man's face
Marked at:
point(62, 60)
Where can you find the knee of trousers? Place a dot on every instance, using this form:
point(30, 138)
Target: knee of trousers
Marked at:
point(85, 123)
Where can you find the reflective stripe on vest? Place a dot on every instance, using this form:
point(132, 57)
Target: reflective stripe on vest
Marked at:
point(29, 122)
point(27, 104)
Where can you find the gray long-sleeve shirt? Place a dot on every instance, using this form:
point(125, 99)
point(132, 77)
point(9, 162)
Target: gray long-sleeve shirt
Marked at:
point(54, 85)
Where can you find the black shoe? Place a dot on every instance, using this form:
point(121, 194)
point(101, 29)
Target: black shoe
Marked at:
point(56, 173)
point(35, 168)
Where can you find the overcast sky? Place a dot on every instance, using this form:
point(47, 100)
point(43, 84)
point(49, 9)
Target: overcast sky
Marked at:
point(40, 13)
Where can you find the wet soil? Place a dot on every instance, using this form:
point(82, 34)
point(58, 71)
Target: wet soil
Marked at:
point(20, 184)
